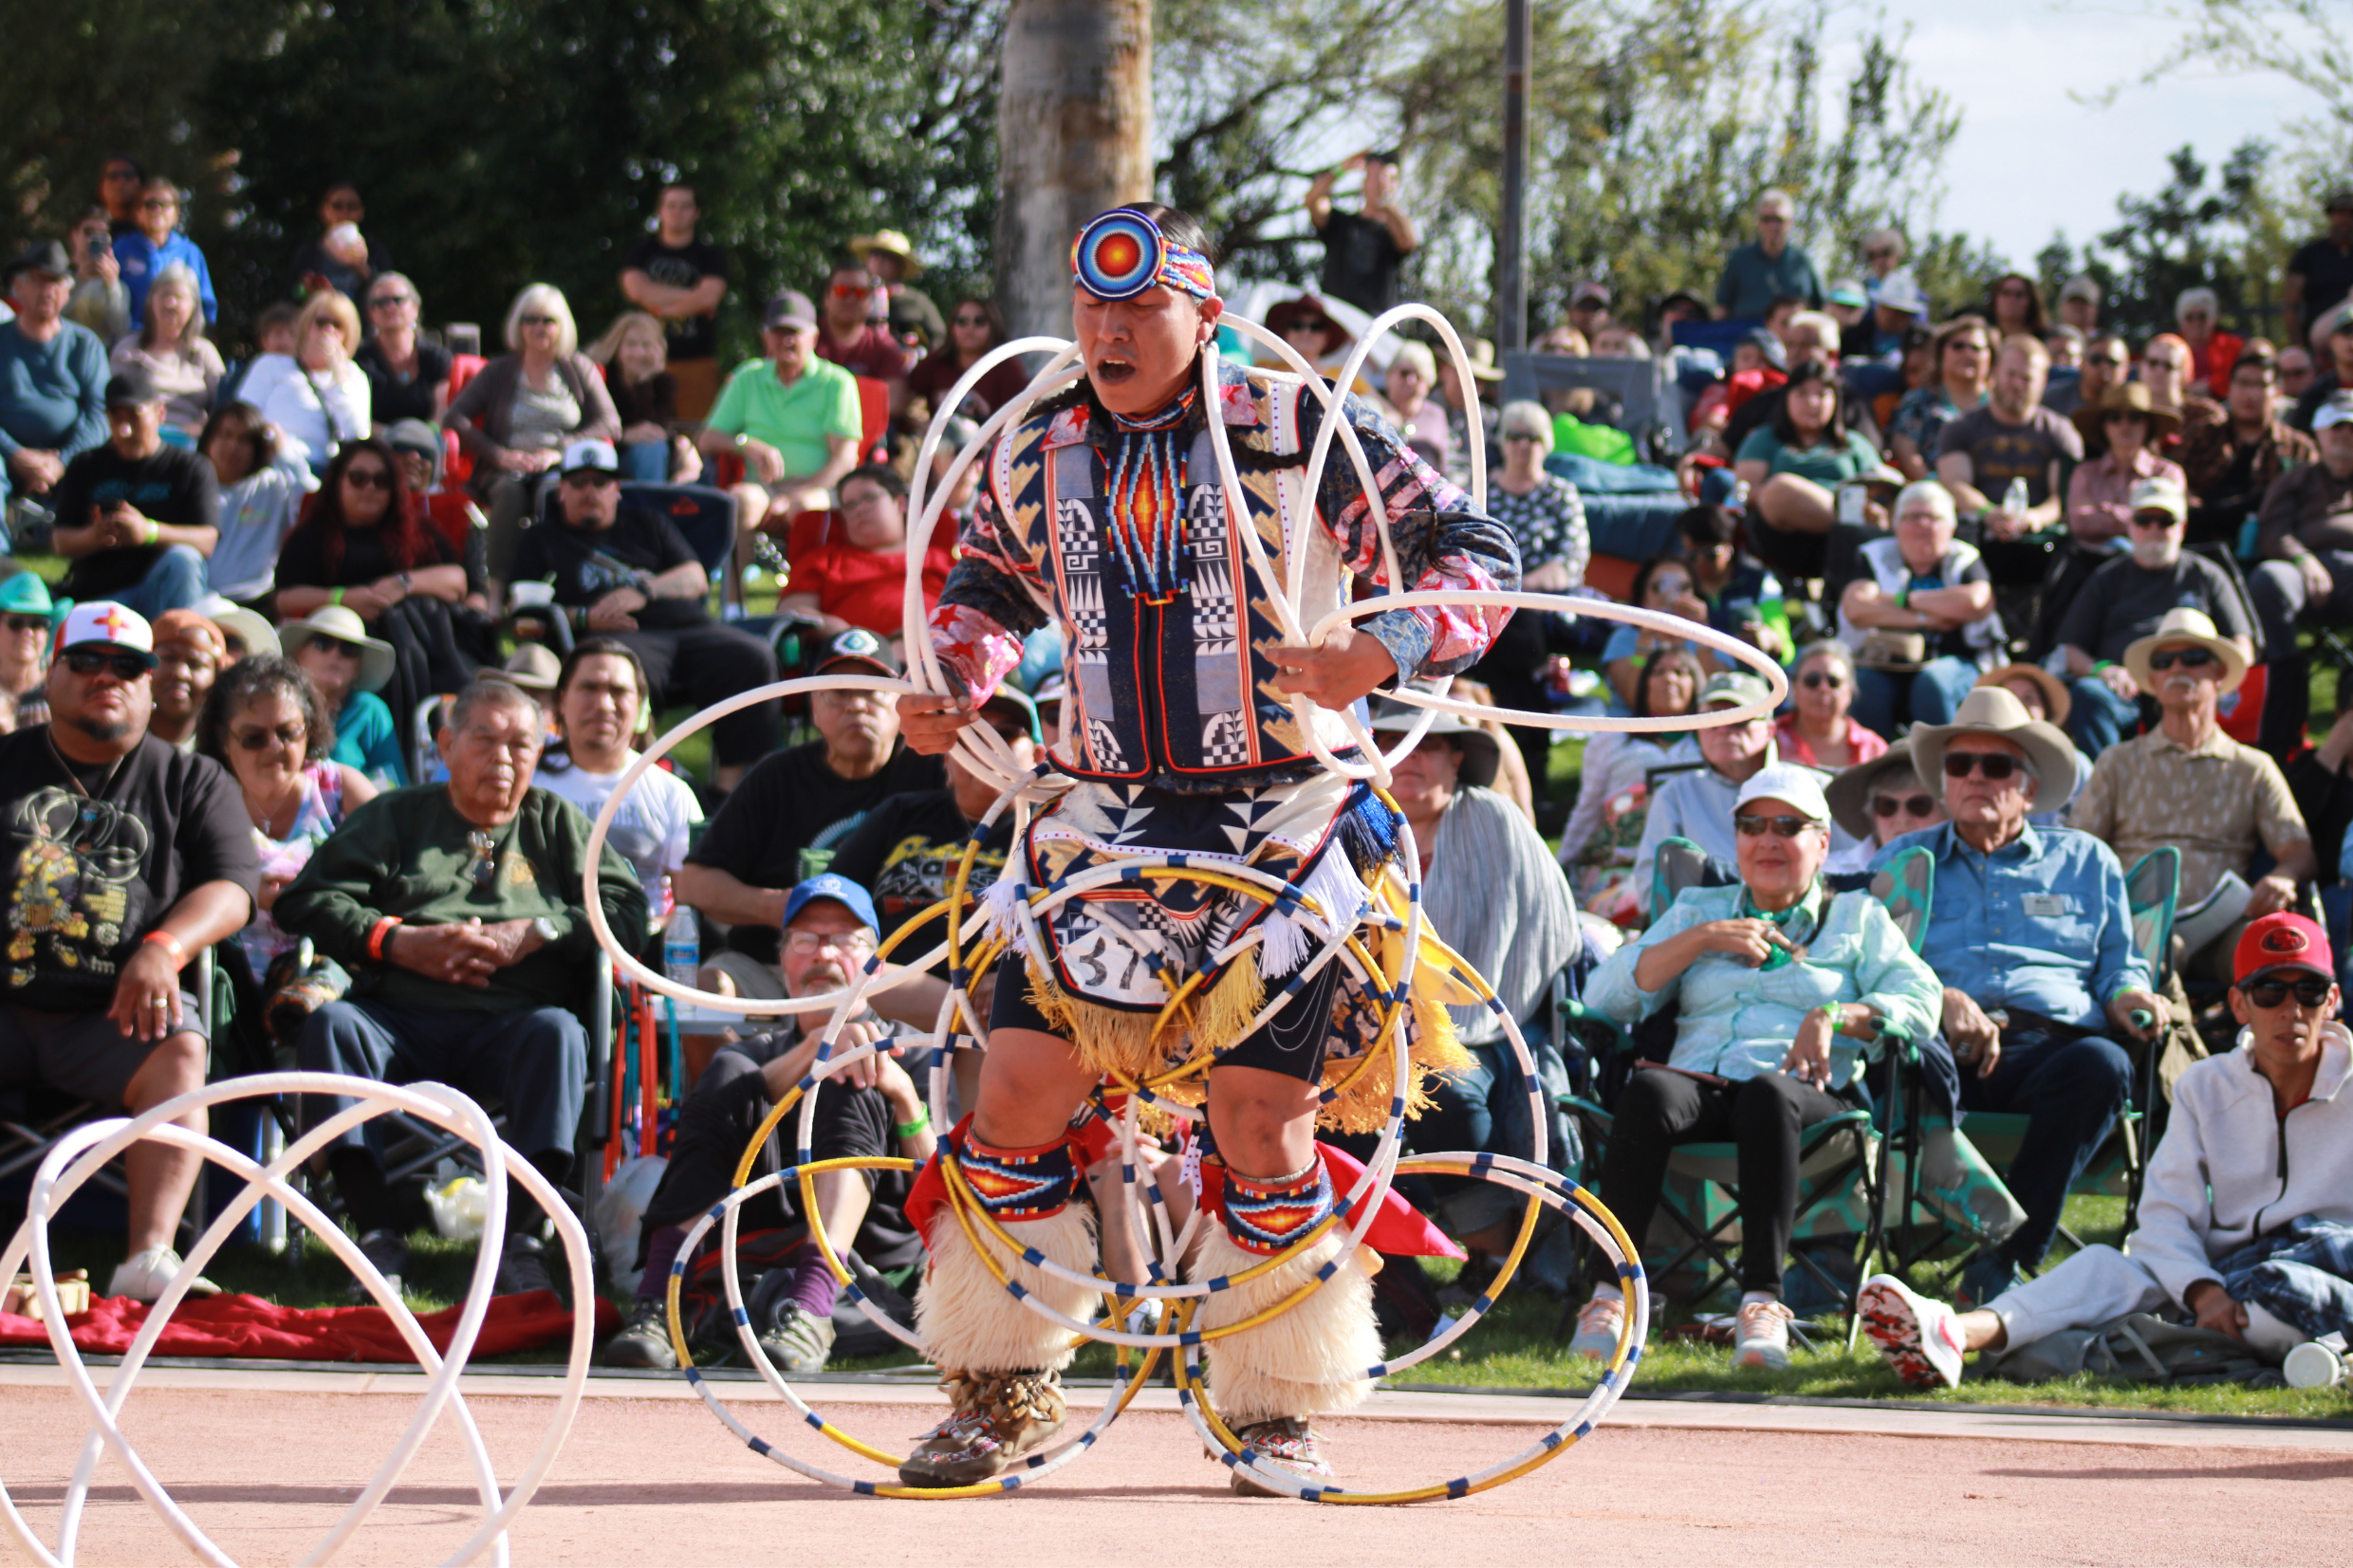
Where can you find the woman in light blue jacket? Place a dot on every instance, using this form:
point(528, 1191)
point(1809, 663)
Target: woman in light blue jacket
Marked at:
point(1782, 989)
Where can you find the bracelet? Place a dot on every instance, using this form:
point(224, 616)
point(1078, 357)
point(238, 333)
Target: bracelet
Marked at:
point(334, 596)
point(1903, 599)
point(2104, 666)
point(171, 944)
point(921, 1124)
point(380, 933)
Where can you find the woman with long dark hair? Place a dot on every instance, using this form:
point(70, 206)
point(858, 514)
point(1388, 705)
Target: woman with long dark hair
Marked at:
point(2014, 304)
point(1794, 465)
point(261, 491)
point(975, 327)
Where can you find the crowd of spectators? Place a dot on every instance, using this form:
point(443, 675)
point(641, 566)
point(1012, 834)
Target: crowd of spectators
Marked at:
point(2041, 597)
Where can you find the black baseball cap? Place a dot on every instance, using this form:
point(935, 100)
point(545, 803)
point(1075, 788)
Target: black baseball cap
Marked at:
point(132, 386)
point(856, 645)
point(41, 256)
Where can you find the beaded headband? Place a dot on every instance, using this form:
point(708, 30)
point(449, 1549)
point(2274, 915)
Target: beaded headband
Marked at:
point(1123, 253)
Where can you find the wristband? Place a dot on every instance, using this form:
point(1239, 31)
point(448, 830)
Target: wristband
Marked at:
point(1903, 599)
point(378, 934)
point(334, 596)
point(2104, 666)
point(170, 943)
point(921, 1124)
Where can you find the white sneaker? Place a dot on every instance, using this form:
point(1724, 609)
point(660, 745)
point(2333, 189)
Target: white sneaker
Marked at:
point(1761, 1336)
point(1598, 1327)
point(143, 1277)
point(1920, 1338)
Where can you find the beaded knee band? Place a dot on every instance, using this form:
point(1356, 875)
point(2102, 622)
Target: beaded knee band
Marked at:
point(1019, 1184)
point(1266, 1216)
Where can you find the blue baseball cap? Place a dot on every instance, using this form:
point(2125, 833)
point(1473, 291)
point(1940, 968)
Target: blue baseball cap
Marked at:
point(840, 889)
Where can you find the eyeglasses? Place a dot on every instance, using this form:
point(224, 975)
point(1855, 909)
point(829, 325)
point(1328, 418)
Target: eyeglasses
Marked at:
point(1993, 764)
point(806, 942)
point(2311, 992)
point(289, 735)
point(1783, 827)
point(336, 646)
point(125, 667)
point(2189, 658)
point(485, 868)
point(385, 301)
point(1814, 680)
point(537, 320)
point(27, 623)
point(158, 204)
point(368, 479)
point(851, 292)
point(1884, 806)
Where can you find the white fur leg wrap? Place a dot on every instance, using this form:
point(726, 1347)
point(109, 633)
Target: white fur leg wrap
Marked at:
point(1308, 1361)
point(970, 1323)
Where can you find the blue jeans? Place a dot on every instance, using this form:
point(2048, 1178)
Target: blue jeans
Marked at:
point(175, 582)
point(2302, 1274)
point(2100, 718)
point(2070, 1093)
point(646, 462)
point(534, 1062)
point(1933, 695)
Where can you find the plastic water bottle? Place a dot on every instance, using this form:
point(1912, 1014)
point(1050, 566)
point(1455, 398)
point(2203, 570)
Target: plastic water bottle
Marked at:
point(2014, 499)
point(683, 947)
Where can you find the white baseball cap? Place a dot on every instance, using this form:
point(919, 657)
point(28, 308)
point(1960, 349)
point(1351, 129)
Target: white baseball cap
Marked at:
point(582, 456)
point(1799, 785)
point(102, 623)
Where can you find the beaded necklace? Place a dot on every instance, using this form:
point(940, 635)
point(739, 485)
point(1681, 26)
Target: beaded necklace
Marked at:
point(1146, 501)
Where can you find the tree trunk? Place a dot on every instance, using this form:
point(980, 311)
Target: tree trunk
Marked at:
point(1074, 136)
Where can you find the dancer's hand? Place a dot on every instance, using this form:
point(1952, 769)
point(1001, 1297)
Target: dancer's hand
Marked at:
point(1350, 664)
point(930, 722)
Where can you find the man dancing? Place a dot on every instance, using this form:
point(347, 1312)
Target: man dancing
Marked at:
point(1103, 511)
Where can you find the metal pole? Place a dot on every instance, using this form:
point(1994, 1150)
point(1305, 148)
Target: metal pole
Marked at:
point(1511, 236)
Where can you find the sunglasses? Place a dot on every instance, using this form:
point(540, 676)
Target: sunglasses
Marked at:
point(485, 868)
point(2152, 519)
point(2189, 658)
point(2311, 992)
point(2116, 361)
point(385, 301)
point(27, 623)
point(1877, 252)
point(851, 291)
point(336, 646)
point(1814, 680)
point(125, 667)
point(287, 735)
point(1995, 766)
point(2124, 417)
point(1512, 436)
point(537, 320)
point(1781, 827)
point(592, 479)
point(1884, 806)
point(368, 479)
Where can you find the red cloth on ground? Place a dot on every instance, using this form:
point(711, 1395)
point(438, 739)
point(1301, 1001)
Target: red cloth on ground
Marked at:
point(868, 587)
point(249, 1327)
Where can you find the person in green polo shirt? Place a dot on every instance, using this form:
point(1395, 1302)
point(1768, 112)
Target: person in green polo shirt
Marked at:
point(794, 420)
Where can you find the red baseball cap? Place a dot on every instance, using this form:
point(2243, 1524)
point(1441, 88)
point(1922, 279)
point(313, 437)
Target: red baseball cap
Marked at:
point(2283, 941)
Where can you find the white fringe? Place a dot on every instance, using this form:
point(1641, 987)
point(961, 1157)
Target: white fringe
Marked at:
point(968, 1322)
point(1290, 940)
point(996, 915)
point(1310, 1360)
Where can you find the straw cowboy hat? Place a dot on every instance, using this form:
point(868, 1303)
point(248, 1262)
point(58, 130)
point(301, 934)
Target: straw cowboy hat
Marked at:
point(2125, 398)
point(2057, 700)
point(343, 625)
point(2191, 626)
point(1993, 710)
point(890, 242)
point(1481, 757)
point(1849, 792)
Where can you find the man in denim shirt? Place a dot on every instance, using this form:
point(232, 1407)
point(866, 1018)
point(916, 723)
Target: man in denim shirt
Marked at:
point(2032, 937)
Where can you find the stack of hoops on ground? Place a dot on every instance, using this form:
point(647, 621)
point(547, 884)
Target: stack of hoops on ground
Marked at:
point(1382, 946)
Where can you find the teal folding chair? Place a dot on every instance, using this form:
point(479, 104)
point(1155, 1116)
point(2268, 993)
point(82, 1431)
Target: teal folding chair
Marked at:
point(2152, 887)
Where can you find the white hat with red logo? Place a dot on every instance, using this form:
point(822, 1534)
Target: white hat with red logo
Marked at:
point(102, 623)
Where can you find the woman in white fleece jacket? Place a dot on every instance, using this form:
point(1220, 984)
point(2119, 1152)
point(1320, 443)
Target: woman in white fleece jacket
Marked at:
point(2253, 1185)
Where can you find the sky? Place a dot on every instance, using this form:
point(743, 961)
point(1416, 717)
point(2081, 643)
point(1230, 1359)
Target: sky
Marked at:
point(2029, 158)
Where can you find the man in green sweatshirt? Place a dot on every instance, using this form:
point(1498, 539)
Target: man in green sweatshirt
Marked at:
point(457, 907)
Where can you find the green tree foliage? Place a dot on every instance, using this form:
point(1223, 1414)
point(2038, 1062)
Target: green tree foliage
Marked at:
point(2226, 236)
point(500, 141)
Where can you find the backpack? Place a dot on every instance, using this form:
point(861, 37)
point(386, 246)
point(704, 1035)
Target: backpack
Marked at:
point(2136, 1348)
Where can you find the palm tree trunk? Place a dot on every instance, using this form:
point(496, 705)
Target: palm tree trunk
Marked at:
point(1074, 136)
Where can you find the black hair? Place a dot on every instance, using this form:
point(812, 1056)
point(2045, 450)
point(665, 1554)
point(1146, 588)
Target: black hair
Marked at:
point(1660, 563)
point(557, 755)
point(257, 675)
point(1808, 374)
point(876, 473)
point(245, 423)
point(1655, 665)
point(1706, 524)
point(1181, 227)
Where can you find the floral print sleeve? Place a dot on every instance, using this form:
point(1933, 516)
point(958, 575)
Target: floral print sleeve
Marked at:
point(1442, 543)
point(990, 602)
point(1549, 523)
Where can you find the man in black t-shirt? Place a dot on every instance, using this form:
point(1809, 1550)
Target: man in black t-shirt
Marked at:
point(2320, 272)
point(136, 518)
point(680, 280)
point(782, 825)
point(1363, 252)
point(624, 571)
point(126, 857)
